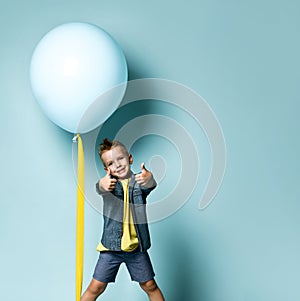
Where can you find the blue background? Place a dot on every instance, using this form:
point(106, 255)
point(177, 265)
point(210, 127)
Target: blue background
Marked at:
point(243, 58)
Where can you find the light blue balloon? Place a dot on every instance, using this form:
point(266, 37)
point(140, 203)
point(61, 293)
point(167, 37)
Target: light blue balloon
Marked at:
point(71, 67)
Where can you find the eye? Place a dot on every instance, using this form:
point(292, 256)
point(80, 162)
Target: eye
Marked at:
point(109, 164)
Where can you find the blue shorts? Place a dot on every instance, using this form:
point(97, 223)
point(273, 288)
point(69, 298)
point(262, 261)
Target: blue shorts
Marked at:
point(138, 265)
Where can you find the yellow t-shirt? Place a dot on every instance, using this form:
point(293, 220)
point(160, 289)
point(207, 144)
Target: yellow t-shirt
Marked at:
point(129, 241)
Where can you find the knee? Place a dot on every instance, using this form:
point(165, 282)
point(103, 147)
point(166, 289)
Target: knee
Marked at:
point(149, 286)
point(96, 288)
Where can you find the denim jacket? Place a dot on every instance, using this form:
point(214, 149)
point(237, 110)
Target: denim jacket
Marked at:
point(113, 210)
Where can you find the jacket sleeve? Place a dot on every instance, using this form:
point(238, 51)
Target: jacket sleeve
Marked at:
point(146, 191)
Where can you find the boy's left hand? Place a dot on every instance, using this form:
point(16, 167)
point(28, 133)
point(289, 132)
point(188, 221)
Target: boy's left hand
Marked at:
point(145, 178)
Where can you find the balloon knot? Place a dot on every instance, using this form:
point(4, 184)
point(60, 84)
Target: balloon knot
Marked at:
point(75, 138)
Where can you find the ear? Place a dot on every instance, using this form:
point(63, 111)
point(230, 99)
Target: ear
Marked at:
point(130, 159)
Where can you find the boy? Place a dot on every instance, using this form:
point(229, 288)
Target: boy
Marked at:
point(125, 235)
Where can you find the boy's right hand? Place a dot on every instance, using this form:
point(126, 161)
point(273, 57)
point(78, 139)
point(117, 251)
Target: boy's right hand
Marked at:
point(107, 183)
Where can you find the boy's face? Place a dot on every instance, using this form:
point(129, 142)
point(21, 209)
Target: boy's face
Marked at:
point(118, 161)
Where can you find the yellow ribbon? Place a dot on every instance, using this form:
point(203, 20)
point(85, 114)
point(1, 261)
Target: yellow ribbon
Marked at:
point(80, 219)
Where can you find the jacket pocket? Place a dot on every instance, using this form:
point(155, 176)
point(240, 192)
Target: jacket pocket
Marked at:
point(138, 197)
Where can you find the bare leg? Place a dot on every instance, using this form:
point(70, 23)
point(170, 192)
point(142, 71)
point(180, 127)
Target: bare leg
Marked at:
point(152, 290)
point(94, 290)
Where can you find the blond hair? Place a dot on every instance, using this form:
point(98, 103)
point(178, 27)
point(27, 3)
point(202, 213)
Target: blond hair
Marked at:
point(107, 145)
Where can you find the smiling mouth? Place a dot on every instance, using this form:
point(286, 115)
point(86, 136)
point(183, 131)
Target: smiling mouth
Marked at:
point(121, 170)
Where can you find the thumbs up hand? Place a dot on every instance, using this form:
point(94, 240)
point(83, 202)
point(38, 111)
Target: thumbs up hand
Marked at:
point(145, 178)
point(107, 183)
